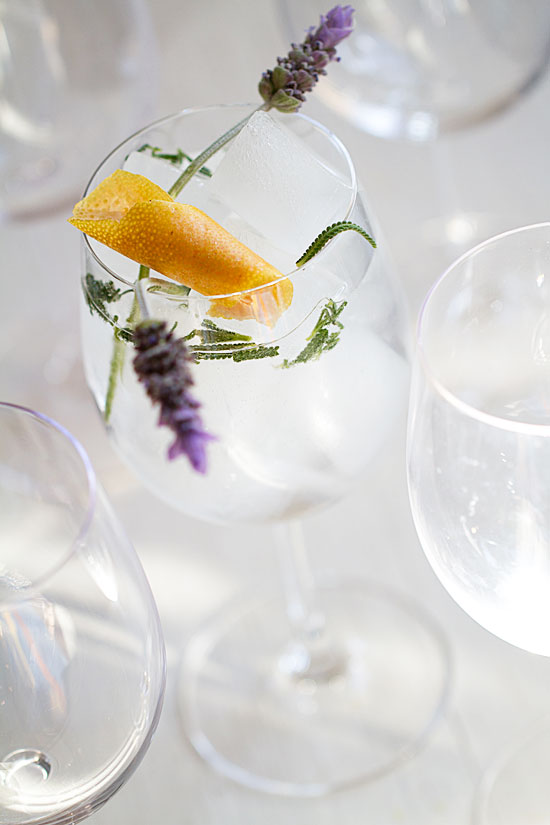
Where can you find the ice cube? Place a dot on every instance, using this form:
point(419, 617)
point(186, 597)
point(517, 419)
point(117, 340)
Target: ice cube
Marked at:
point(161, 172)
point(322, 439)
point(165, 174)
point(250, 237)
point(198, 192)
point(275, 183)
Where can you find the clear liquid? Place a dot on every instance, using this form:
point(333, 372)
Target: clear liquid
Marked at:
point(287, 439)
point(480, 499)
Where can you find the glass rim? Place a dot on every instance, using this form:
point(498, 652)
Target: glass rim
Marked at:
point(195, 297)
point(91, 481)
point(422, 360)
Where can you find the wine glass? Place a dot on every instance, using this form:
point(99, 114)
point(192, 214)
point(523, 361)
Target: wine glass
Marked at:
point(328, 685)
point(81, 650)
point(63, 100)
point(479, 452)
point(415, 69)
point(421, 74)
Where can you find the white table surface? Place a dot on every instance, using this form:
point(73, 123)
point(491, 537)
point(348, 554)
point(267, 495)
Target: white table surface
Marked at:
point(214, 52)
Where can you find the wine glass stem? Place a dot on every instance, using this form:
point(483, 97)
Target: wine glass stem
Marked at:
point(297, 577)
point(310, 653)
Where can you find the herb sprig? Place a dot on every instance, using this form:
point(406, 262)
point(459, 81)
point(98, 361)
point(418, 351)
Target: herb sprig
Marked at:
point(285, 86)
point(160, 363)
point(176, 158)
point(98, 294)
point(328, 234)
point(323, 337)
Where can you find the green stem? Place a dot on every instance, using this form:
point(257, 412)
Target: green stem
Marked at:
point(204, 156)
point(117, 362)
point(117, 358)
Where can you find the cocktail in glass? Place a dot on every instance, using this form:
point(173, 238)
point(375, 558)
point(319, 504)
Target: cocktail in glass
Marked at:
point(301, 380)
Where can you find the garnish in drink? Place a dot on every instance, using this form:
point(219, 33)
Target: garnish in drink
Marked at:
point(141, 220)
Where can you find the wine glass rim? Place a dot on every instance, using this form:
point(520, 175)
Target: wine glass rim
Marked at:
point(91, 481)
point(199, 297)
point(516, 426)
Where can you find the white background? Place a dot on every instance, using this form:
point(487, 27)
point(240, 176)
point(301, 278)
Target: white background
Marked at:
point(211, 52)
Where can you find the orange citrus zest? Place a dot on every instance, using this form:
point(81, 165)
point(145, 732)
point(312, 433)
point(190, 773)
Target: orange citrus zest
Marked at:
point(135, 217)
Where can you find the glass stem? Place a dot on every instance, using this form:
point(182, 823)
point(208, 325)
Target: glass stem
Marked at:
point(310, 654)
point(297, 580)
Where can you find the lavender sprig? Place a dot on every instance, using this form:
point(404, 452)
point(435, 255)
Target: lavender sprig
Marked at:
point(285, 87)
point(161, 364)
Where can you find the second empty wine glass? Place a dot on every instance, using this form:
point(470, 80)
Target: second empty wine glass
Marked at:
point(81, 650)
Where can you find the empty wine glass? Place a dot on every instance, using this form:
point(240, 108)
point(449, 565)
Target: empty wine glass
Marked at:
point(81, 650)
point(479, 456)
point(331, 684)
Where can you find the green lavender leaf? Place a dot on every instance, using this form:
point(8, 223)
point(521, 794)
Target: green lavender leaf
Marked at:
point(98, 294)
point(322, 338)
point(211, 333)
point(259, 351)
point(176, 158)
point(243, 353)
point(328, 234)
point(166, 288)
point(125, 334)
point(215, 342)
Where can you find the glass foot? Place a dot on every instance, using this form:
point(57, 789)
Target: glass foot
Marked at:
point(264, 713)
point(515, 790)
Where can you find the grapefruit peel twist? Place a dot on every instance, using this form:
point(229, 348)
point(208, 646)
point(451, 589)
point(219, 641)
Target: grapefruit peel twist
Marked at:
point(137, 218)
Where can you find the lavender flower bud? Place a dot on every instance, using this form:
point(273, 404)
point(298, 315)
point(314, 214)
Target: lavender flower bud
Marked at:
point(285, 86)
point(161, 364)
point(334, 27)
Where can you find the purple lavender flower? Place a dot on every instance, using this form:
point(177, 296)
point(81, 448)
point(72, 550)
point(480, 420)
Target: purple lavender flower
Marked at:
point(334, 27)
point(284, 87)
point(161, 364)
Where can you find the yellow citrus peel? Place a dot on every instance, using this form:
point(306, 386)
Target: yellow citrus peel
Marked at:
point(132, 215)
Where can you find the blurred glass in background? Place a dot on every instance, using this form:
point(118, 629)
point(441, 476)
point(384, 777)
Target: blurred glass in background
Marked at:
point(416, 68)
point(75, 78)
point(428, 77)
